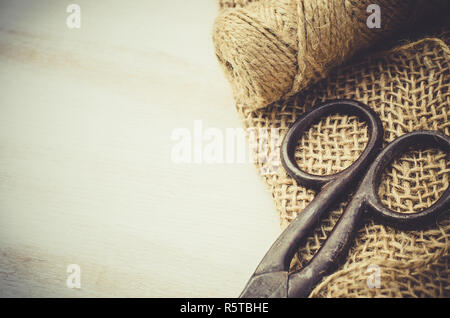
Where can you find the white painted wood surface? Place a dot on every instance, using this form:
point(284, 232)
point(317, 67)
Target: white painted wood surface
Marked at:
point(86, 117)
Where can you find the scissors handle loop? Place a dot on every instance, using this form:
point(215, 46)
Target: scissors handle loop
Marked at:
point(345, 107)
point(418, 139)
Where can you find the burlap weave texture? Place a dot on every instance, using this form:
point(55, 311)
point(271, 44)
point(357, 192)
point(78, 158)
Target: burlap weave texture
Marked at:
point(408, 87)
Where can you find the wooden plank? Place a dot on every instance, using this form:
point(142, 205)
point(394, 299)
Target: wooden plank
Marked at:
point(86, 176)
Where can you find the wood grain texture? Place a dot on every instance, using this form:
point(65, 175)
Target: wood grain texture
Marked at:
point(86, 117)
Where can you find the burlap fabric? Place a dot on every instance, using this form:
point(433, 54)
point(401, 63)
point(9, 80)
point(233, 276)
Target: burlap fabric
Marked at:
point(408, 87)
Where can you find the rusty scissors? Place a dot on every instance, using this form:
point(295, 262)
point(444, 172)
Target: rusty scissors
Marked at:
point(272, 278)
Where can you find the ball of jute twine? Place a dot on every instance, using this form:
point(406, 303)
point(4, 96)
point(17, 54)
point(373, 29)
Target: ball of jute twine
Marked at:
point(271, 49)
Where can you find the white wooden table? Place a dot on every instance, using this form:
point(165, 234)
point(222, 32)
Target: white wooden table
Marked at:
point(86, 177)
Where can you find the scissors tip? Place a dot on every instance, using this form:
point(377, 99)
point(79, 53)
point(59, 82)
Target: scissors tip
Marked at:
point(273, 285)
